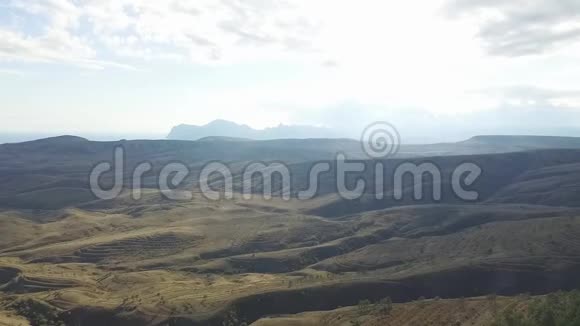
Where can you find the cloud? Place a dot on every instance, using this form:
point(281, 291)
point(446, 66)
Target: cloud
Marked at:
point(52, 47)
point(532, 96)
point(61, 14)
point(200, 31)
point(521, 27)
point(57, 42)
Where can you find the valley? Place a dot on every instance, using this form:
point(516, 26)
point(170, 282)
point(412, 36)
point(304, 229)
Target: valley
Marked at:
point(79, 260)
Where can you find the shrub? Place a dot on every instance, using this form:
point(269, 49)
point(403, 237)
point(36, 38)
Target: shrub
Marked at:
point(364, 307)
point(386, 306)
point(38, 313)
point(557, 309)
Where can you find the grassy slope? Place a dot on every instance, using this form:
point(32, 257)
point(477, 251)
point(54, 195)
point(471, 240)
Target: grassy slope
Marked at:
point(457, 312)
point(120, 262)
point(189, 261)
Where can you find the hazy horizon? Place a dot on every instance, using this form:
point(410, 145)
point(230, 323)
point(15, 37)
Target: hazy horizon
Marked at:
point(408, 135)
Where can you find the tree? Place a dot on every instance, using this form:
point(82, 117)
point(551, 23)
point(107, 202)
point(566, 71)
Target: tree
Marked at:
point(386, 306)
point(364, 307)
point(232, 319)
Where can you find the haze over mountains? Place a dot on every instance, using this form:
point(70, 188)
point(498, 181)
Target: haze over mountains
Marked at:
point(224, 128)
point(413, 130)
point(423, 130)
point(53, 172)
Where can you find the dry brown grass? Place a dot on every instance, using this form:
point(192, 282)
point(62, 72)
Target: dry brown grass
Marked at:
point(192, 259)
point(434, 312)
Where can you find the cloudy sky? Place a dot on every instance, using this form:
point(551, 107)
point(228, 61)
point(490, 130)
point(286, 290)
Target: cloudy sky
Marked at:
point(437, 67)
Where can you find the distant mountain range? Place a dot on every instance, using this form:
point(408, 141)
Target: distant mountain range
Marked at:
point(224, 128)
point(52, 173)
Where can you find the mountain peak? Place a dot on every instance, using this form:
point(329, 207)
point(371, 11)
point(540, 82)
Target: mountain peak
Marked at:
point(222, 122)
point(65, 139)
point(229, 129)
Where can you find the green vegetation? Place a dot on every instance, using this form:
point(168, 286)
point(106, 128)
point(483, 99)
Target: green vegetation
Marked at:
point(383, 307)
point(232, 319)
point(364, 307)
point(557, 309)
point(38, 313)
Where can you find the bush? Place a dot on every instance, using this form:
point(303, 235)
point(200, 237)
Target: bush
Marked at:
point(386, 306)
point(364, 307)
point(557, 309)
point(38, 313)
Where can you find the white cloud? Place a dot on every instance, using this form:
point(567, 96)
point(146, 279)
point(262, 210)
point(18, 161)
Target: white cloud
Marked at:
point(532, 96)
point(391, 56)
point(367, 32)
point(53, 47)
point(58, 41)
point(61, 14)
point(203, 31)
point(522, 27)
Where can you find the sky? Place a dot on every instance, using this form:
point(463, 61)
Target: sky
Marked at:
point(437, 69)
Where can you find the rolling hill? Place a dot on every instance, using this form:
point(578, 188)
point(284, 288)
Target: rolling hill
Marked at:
point(53, 173)
point(68, 258)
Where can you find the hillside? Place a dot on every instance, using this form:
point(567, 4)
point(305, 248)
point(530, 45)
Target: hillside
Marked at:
point(436, 312)
point(547, 177)
point(186, 264)
point(71, 259)
point(53, 173)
